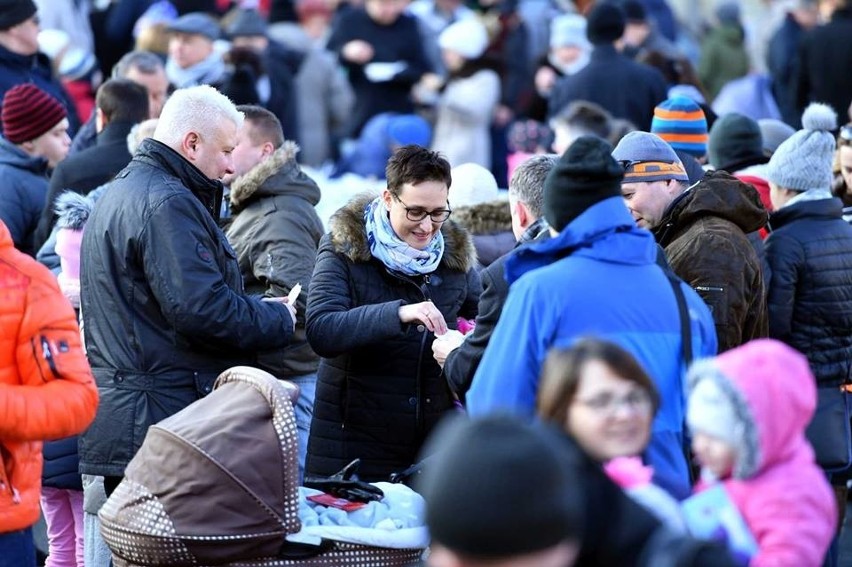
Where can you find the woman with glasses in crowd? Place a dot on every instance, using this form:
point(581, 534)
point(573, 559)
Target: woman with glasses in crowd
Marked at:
point(391, 275)
point(600, 395)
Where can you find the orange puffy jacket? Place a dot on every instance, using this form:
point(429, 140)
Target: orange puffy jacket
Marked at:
point(46, 386)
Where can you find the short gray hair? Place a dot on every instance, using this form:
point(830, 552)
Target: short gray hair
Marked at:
point(146, 62)
point(527, 184)
point(199, 109)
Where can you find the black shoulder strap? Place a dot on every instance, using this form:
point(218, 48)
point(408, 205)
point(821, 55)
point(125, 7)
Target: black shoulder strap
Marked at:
point(683, 311)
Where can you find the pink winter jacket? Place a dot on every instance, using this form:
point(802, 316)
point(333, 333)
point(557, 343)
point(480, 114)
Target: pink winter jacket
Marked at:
point(785, 498)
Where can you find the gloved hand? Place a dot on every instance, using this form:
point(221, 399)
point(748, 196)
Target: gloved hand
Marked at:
point(345, 484)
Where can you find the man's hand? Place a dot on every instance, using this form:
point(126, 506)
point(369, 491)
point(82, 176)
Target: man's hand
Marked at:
point(425, 313)
point(443, 345)
point(291, 309)
point(358, 51)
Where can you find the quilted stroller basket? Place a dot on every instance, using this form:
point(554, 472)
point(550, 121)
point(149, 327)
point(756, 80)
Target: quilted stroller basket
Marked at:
point(216, 485)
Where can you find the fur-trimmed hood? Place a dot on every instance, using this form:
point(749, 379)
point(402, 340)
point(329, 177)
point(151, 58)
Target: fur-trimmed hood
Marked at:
point(349, 237)
point(485, 218)
point(278, 175)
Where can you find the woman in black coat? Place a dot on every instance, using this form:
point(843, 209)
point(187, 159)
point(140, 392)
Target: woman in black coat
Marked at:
point(391, 275)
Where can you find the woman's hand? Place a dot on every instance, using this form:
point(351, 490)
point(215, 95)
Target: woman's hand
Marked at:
point(425, 313)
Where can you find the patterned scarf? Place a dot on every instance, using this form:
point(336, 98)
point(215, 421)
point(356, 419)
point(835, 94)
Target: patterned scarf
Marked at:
point(387, 247)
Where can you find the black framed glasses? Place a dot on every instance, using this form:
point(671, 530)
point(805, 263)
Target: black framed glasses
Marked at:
point(417, 214)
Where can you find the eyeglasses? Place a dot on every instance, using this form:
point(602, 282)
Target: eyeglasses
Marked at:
point(417, 214)
point(607, 405)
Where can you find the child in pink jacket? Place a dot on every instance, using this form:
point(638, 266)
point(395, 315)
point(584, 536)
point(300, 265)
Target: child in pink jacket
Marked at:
point(748, 411)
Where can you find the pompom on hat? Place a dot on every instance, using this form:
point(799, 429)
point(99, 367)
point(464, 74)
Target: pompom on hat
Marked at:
point(28, 112)
point(803, 161)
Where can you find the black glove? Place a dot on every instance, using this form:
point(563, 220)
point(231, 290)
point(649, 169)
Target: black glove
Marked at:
point(345, 484)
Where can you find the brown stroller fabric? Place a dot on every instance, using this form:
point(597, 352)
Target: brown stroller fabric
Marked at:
point(216, 484)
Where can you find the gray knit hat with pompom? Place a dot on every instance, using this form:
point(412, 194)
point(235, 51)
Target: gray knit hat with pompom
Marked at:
point(803, 161)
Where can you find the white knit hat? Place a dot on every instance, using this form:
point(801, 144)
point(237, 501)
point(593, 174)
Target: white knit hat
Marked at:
point(567, 30)
point(472, 185)
point(803, 161)
point(466, 37)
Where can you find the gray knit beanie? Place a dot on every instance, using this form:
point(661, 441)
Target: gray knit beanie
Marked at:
point(804, 160)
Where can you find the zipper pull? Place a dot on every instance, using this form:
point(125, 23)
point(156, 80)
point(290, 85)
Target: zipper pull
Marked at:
point(16, 496)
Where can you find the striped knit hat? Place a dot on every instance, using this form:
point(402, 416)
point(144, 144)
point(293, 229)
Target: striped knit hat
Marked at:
point(28, 112)
point(681, 123)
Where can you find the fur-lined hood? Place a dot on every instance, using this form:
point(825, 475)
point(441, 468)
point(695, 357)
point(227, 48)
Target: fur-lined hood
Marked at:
point(349, 237)
point(73, 209)
point(278, 175)
point(485, 218)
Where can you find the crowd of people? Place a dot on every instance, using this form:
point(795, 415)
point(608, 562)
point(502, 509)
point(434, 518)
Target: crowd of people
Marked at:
point(642, 332)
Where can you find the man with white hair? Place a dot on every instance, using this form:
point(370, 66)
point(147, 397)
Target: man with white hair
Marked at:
point(161, 291)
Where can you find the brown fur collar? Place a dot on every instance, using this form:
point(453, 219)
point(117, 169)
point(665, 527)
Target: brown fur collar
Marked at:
point(485, 218)
point(245, 186)
point(349, 237)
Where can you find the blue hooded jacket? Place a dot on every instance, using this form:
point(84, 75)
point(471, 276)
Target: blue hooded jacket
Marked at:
point(598, 277)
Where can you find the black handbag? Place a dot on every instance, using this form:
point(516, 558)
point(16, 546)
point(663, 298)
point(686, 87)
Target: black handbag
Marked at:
point(829, 430)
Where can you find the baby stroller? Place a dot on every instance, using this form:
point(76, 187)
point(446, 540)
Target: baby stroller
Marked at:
point(216, 485)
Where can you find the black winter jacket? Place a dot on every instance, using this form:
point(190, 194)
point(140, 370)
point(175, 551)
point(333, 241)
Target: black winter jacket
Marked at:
point(85, 171)
point(379, 390)
point(162, 299)
point(61, 462)
point(825, 57)
point(275, 232)
point(625, 88)
point(810, 291)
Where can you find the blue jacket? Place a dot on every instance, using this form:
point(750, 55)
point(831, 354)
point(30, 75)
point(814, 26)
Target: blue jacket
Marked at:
point(16, 69)
point(24, 192)
point(597, 277)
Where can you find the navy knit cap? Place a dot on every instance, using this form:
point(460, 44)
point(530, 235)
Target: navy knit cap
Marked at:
point(735, 142)
point(585, 175)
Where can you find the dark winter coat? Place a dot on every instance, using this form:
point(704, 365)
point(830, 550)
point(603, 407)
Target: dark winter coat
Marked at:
point(61, 462)
point(781, 59)
point(704, 236)
point(810, 293)
point(399, 41)
point(275, 232)
point(24, 181)
point(825, 57)
point(16, 69)
point(84, 171)
point(162, 302)
point(379, 391)
point(625, 88)
point(491, 227)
